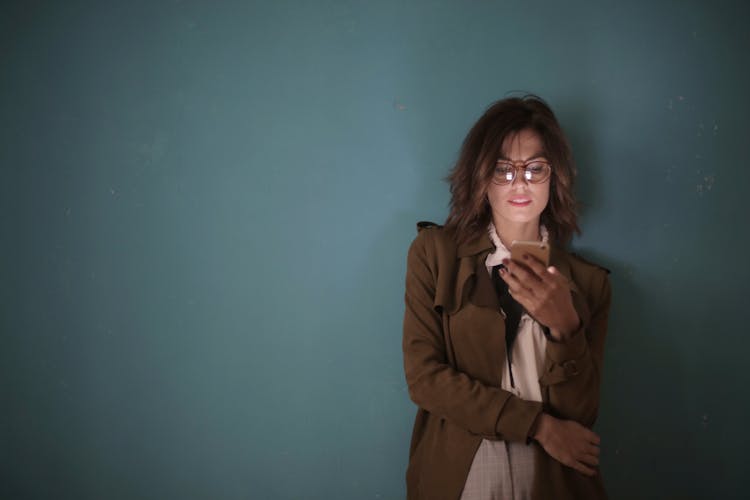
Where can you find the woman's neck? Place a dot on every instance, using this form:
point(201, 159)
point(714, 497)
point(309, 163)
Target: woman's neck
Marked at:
point(508, 231)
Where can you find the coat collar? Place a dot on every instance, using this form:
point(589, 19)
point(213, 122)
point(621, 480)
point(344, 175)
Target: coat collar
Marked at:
point(476, 245)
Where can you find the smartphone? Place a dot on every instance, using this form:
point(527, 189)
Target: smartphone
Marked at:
point(538, 249)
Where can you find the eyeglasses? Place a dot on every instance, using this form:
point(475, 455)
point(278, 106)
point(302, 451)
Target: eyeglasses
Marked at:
point(534, 171)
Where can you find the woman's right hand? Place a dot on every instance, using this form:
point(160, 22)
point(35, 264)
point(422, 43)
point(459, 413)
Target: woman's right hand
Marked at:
point(569, 442)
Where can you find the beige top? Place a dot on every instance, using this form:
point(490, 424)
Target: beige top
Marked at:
point(503, 469)
point(530, 344)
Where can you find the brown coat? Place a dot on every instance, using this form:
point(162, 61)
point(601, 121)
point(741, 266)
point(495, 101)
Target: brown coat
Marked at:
point(454, 349)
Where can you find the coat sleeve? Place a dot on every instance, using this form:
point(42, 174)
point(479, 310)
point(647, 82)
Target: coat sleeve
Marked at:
point(434, 384)
point(572, 372)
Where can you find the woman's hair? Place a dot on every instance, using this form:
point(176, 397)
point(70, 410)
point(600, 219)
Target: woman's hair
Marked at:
point(470, 212)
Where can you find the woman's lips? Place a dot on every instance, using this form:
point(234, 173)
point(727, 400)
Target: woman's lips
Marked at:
point(520, 202)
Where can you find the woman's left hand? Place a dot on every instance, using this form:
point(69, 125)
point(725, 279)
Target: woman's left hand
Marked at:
point(544, 293)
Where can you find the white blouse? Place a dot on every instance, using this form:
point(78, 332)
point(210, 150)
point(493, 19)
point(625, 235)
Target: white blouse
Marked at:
point(530, 344)
point(503, 469)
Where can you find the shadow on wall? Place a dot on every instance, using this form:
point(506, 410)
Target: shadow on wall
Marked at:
point(643, 374)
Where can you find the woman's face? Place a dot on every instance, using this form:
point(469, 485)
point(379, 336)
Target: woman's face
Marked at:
point(520, 201)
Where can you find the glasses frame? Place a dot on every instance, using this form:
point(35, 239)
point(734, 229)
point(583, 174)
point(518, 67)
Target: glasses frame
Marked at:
point(521, 165)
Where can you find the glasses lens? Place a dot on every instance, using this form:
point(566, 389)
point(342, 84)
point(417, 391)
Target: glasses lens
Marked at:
point(534, 172)
point(504, 173)
point(537, 171)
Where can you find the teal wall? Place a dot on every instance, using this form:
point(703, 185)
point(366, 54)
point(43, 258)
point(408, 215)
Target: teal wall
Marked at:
point(205, 209)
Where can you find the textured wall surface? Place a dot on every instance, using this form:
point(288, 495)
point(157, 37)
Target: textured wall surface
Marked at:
point(205, 209)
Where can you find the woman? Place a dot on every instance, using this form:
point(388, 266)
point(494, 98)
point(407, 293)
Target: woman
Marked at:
point(503, 357)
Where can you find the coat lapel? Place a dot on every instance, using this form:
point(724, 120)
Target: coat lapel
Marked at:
point(483, 293)
point(473, 280)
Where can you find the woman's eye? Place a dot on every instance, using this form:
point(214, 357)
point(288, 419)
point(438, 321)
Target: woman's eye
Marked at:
point(503, 170)
point(535, 168)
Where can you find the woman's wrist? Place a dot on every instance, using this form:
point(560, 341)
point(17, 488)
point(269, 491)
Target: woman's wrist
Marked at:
point(542, 428)
point(565, 331)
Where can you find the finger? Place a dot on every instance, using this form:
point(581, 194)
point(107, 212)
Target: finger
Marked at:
point(510, 278)
point(536, 265)
point(593, 437)
point(522, 272)
point(589, 460)
point(588, 435)
point(584, 469)
point(515, 286)
point(517, 290)
point(592, 450)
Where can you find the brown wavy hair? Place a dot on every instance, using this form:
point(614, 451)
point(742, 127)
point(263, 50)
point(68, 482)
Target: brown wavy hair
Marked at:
point(470, 177)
